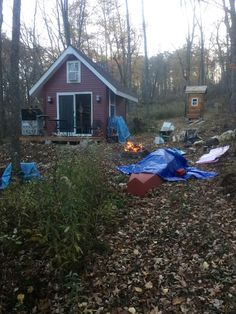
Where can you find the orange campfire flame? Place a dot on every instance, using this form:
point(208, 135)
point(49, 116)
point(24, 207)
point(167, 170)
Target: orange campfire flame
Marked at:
point(132, 147)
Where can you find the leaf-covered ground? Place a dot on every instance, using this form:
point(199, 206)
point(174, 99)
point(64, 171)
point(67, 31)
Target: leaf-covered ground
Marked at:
point(172, 251)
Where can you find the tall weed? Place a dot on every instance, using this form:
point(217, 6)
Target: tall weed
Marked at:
point(62, 213)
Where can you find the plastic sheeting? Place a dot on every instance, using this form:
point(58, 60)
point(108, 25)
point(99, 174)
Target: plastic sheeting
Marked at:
point(29, 170)
point(165, 163)
point(213, 155)
point(118, 124)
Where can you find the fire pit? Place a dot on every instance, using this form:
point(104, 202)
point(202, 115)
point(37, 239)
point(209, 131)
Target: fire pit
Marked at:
point(132, 150)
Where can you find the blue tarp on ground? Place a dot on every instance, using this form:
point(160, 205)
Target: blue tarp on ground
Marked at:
point(118, 124)
point(29, 170)
point(165, 162)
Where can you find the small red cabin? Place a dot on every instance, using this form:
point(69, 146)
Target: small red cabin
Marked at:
point(79, 96)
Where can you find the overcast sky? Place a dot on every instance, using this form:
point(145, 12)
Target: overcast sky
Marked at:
point(166, 21)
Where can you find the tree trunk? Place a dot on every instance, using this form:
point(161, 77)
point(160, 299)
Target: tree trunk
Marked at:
point(129, 73)
point(14, 119)
point(230, 23)
point(146, 64)
point(66, 24)
point(1, 78)
point(233, 56)
point(201, 79)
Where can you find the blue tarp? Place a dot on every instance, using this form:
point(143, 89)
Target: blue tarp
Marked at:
point(29, 170)
point(118, 124)
point(165, 162)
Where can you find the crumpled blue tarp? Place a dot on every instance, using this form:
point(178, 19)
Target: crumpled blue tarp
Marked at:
point(29, 170)
point(118, 124)
point(165, 162)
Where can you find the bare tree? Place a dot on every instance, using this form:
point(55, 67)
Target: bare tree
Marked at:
point(1, 78)
point(63, 4)
point(201, 79)
point(120, 41)
point(14, 118)
point(78, 18)
point(186, 64)
point(230, 22)
point(129, 70)
point(146, 62)
point(223, 56)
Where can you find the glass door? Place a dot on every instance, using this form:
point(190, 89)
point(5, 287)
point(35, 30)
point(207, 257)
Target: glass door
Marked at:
point(83, 113)
point(65, 121)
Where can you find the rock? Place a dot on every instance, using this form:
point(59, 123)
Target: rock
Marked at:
point(213, 141)
point(227, 136)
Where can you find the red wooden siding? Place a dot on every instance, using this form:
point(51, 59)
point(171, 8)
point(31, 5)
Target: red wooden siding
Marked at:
point(89, 83)
point(120, 107)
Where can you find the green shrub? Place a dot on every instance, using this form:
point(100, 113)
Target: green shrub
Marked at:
point(61, 213)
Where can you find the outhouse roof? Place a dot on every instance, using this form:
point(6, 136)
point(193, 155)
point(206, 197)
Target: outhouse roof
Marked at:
point(196, 89)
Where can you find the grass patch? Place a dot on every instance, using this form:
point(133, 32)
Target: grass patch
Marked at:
point(140, 119)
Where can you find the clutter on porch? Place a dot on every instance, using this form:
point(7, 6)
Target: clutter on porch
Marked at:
point(30, 121)
point(117, 130)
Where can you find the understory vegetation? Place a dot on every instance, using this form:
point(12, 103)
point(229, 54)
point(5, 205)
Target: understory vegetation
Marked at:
point(55, 220)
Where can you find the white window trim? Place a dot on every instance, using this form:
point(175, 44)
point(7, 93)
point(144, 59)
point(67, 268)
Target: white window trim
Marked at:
point(58, 117)
point(194, 105)
point(112, 104)
point(79, 71)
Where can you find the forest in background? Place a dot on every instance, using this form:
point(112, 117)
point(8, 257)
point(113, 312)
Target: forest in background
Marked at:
point(104, 32)
point(75, 241)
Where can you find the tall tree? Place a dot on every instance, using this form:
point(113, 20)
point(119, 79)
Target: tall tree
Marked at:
point(146, 62)
point(230, 21)
point(186, 63)
point(14, 117)
point(78, 19)
point(201, 79)
point(1, 77)
point(129, 70)
point(65, 17)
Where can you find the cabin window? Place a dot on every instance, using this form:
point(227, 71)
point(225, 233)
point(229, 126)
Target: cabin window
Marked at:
point(194, 102)
point(113, 110)
point(73, 72)
point(112, 107)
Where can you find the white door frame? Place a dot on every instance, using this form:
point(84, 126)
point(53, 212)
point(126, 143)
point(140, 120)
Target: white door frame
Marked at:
point(74, 112)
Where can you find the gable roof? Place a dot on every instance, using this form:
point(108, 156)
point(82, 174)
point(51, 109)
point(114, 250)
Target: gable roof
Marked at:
point(196, 89)
point(104, 76)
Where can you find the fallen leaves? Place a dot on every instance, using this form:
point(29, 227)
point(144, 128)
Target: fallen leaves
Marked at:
point(132, 310)
point(137, 289)
point(205, 266)
point(149, 285)
point(20, 298)
point(172, 251)
point(178, 300)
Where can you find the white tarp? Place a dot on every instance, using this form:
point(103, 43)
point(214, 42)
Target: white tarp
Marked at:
point(213, 155)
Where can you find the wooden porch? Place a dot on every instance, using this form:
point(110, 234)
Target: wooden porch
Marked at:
point(72, 140)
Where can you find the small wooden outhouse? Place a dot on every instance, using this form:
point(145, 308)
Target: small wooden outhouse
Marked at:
point(195, 101)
